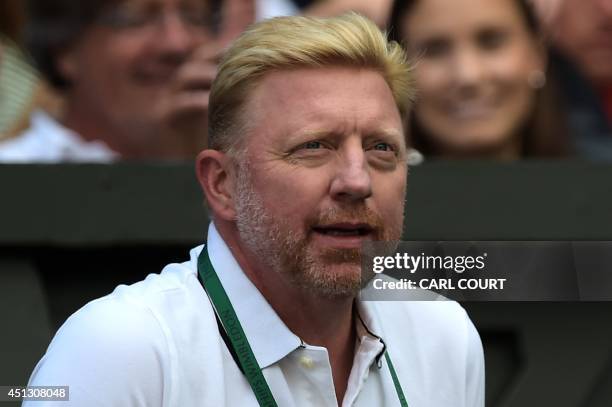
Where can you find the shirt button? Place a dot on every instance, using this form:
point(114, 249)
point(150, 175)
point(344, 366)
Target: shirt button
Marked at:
point(306, 362)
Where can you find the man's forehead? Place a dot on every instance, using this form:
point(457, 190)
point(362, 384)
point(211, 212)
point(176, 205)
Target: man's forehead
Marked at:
point(324, 71)
point(319, 86)
point(322, 102)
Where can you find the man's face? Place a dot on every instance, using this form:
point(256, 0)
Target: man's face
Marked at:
point(323, 170)
point(126, 60)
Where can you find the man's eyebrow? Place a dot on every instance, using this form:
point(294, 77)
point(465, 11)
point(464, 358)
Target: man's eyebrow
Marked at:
point(386, 133)
point(316, 134)
point(391, 133)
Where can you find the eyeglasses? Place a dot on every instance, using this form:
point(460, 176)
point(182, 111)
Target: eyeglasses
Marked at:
point(124, 17)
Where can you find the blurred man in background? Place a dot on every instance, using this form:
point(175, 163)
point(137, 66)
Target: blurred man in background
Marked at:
point(135, 75)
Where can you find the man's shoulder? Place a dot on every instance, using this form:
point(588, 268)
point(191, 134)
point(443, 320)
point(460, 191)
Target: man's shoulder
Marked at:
point(135, 313)
point(22, 147)
point(48, 141)
point(129, 343)
point(175, 279)
point(157, 299)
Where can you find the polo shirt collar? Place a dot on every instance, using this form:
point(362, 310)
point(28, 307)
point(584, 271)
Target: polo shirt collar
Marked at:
point(368, 331)
point(269, 337)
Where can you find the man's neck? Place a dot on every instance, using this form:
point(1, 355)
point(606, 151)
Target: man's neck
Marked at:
point(317, 320)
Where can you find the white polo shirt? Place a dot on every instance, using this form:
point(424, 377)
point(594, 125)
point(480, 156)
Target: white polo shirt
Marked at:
point(157, 343)
point(47, 141)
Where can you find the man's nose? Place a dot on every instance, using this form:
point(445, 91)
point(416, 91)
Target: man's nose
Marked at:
point(352, 181)
point(176, 36)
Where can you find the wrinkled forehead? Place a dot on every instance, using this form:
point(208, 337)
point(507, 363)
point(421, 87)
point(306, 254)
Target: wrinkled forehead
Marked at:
point(282, 83)
point(321, 101)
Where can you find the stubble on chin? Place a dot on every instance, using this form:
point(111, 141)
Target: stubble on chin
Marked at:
point(329, 273)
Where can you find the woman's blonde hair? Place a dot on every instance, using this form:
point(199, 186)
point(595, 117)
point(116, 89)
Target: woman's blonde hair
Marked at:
point(299, 42)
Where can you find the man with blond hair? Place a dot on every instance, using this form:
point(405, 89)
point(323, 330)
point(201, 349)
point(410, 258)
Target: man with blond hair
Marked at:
point(306, 162)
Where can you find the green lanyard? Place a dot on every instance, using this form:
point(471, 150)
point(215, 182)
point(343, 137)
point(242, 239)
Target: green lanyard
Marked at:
point(248, 364)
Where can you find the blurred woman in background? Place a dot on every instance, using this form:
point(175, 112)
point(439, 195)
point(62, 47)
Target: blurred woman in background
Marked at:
point(480, 73)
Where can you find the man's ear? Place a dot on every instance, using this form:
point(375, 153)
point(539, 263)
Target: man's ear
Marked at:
point(216, 176)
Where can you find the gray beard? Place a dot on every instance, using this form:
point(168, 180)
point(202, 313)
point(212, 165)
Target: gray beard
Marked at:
point(331, 273)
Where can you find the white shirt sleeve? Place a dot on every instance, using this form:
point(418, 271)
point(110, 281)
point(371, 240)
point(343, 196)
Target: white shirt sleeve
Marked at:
point(475, 374)
point(112, 352)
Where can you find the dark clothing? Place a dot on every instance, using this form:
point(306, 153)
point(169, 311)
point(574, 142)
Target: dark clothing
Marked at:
point(589, 126)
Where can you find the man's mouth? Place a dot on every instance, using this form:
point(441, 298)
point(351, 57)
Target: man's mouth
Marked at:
point(345, 230)
point(160, 75)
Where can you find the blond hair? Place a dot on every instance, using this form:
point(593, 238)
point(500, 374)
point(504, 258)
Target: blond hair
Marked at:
point(299, 42)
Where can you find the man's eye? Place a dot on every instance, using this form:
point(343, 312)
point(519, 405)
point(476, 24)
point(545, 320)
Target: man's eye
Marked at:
point(313, 145)
point(383, 147)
